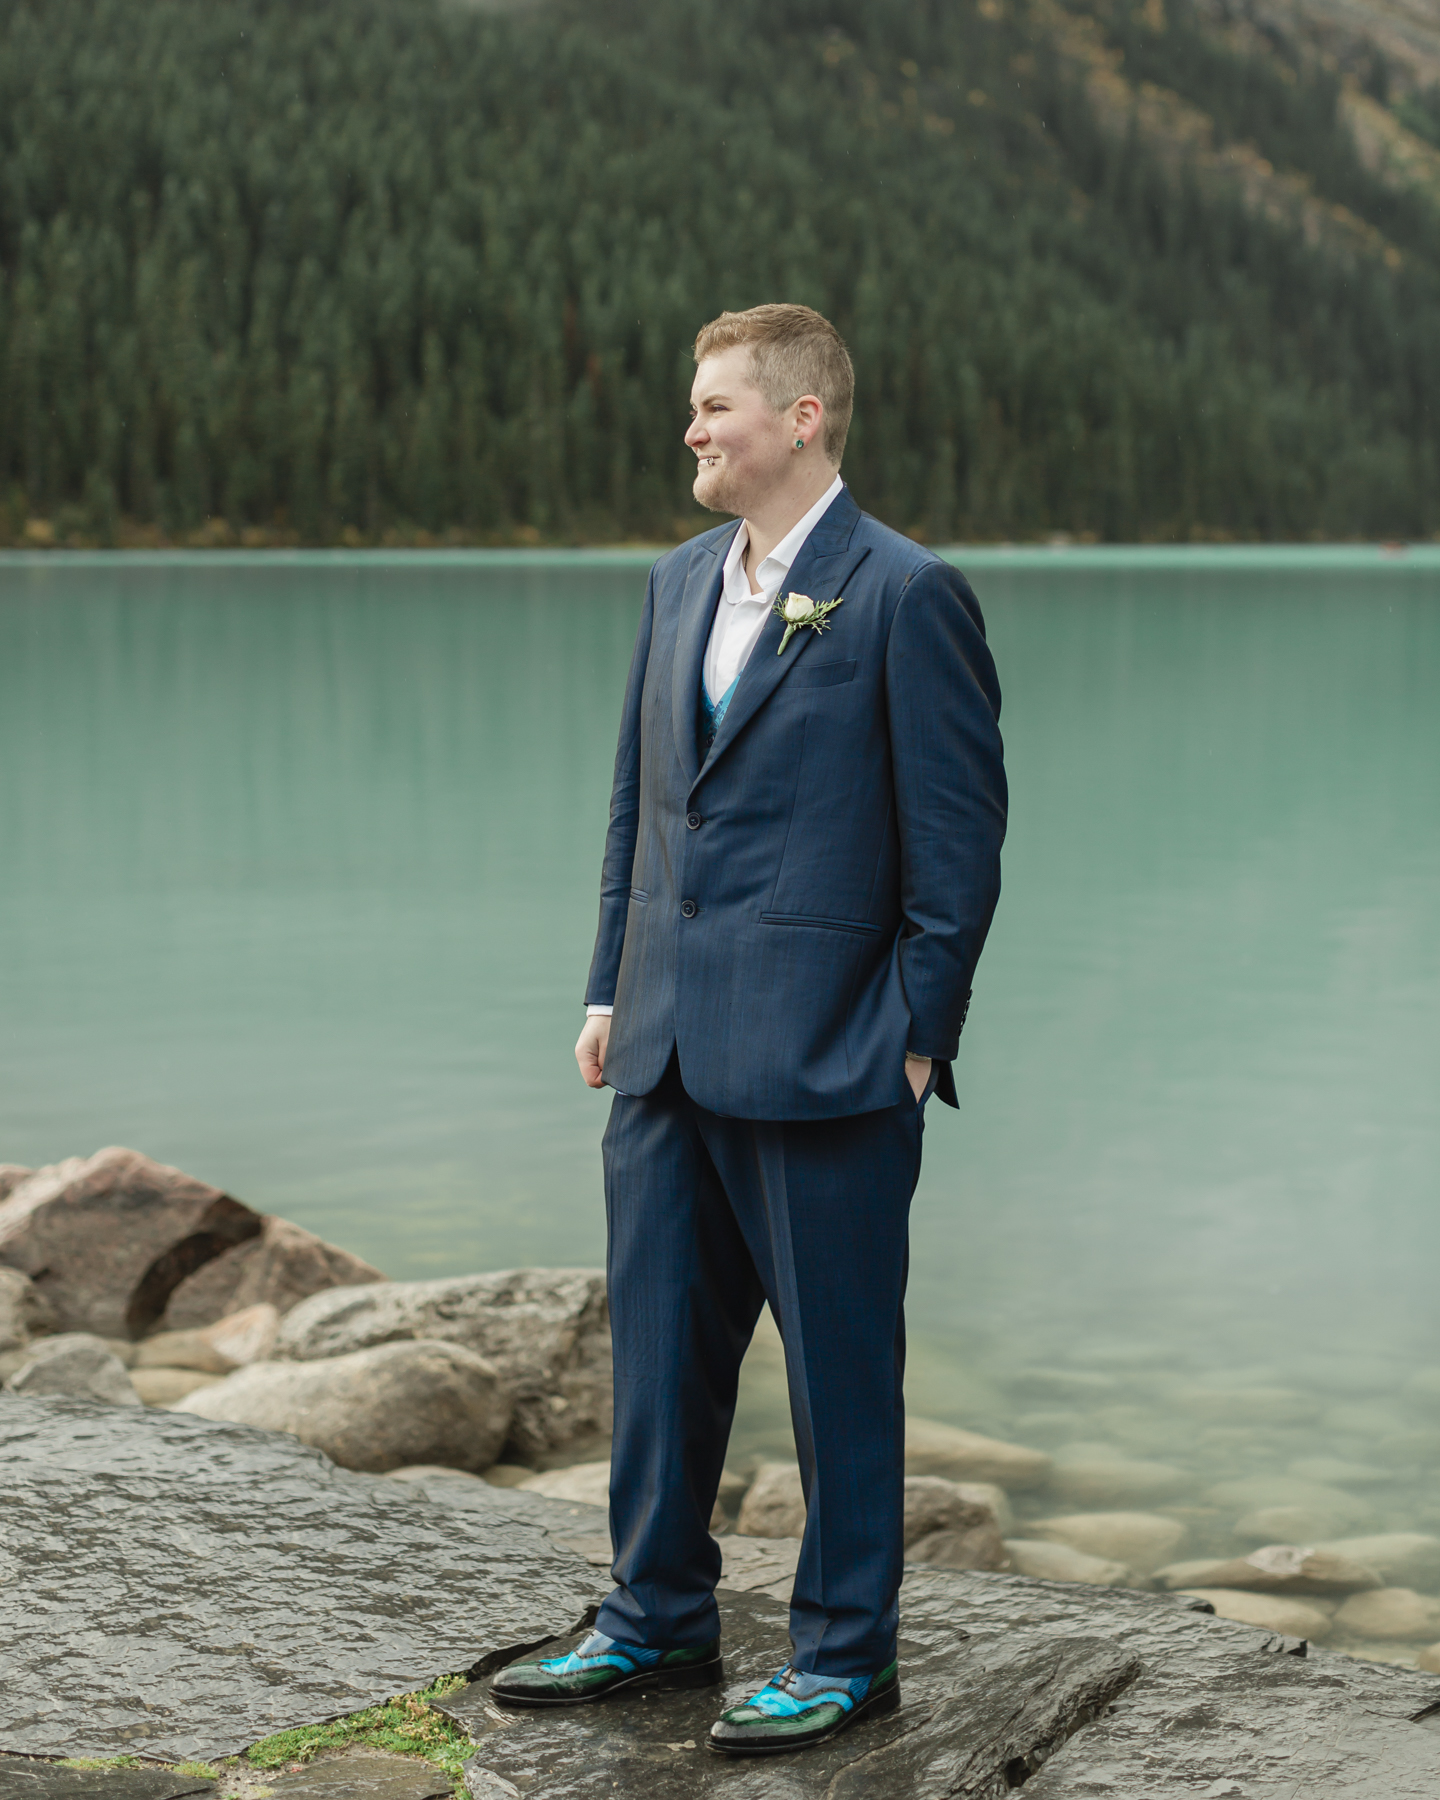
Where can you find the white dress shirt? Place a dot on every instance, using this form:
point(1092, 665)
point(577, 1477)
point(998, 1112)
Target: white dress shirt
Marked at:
point(740, 617)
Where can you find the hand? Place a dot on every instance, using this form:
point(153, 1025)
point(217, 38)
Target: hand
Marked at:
point(917, 1072)
point(590, 1048)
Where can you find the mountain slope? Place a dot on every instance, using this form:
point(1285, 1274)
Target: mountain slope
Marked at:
point(383, 271)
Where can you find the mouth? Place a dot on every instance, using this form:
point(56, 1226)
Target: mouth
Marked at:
point(708, 462)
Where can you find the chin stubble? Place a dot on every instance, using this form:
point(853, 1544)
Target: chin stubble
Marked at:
point(716, 492)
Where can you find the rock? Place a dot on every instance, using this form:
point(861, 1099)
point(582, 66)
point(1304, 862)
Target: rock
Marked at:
point(53, 1781)
point(122, 1349)
point(379, 1409)
point(935, 1449)
point(1012, 1703)
point(76, 1364)
point(1286, 1525)
point(11, 1175)
point(360, 1773)
point(774, 1506)
point(1095, 1475)
point(204, 1585)
point(485, 1784)
point(164, 1387)
point(1287, 1490)
point(1059, 1562)
point(107, 1239)
point(733, 1489)
point(1392, 1612)
point(589, 1483)
point(506, 1475)
point(431, 1472)
point(989, 1494)
point(947, 1530)
point(979, 1547)
point(1271, 1612)
point(1007, 1708)
point(1404, 1558)
point(279, 1589)
point(934, 1504)
point(246, 1336)
point(279, 1265)
point(1249, 1405)
point(1182, 1576)
point(1276, 1569)
point(759, 1565)
point(23, 1311)
point(546, 1330)
point(182, 1350)
point(1141, 1540)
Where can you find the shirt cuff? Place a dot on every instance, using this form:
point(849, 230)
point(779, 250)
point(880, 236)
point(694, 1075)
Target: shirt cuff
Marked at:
point(598, 1012)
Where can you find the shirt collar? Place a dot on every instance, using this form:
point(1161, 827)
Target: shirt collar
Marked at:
point(776, 566)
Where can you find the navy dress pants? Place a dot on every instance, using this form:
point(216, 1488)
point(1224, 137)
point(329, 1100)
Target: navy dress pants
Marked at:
point(710, 1217)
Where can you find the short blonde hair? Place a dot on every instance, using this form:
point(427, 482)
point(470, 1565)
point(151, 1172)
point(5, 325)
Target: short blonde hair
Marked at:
point(793, 351)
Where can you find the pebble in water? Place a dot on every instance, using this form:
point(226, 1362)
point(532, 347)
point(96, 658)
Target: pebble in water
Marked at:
point(1288, 1525)
point(1288, 1490)
point(1141, 1540)
point(1396, 1613)
point(1275, 1612)
point(1099, 1475)
point(1060, 1562)
point(1406, 1558)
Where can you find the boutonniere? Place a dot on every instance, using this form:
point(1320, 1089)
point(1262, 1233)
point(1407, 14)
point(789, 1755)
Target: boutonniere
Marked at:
point(798, 610)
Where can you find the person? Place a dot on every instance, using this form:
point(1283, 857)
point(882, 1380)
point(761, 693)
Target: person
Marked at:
point(802, 864)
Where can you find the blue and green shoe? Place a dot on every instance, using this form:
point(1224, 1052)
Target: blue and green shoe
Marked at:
point(796, 1710)
point(600, 1667)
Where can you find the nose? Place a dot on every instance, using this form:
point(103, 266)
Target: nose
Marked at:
point(696, 435)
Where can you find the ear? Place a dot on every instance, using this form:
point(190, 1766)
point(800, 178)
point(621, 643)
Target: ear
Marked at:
point(807, 415)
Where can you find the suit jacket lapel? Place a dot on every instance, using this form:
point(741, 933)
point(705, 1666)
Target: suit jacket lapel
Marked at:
point(822, 568)
point(697, 615)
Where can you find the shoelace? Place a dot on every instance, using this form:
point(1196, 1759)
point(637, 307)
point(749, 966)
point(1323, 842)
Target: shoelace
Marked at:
point(791, 1690)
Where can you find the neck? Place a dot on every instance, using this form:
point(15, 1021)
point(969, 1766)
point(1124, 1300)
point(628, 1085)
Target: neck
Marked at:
point(783, 508)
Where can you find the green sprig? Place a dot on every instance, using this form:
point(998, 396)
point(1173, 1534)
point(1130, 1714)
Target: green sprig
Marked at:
point(815, 618)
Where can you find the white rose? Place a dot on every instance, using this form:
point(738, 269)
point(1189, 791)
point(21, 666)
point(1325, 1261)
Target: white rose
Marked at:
point(798, 606)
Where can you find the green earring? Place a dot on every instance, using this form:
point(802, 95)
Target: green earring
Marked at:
point(799, 443)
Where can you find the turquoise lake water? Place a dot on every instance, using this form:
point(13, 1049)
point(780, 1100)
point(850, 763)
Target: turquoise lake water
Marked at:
point(299, 883)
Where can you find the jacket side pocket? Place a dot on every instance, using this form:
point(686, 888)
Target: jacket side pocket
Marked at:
point(858, 926)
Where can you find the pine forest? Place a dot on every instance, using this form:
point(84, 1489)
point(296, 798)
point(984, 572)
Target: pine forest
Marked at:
point(392, 271)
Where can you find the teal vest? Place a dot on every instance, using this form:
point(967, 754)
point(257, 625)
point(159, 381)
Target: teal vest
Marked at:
point(711, 713)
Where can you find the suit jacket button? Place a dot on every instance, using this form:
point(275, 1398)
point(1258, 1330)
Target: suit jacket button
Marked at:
point(694, 821)
point(688, 909)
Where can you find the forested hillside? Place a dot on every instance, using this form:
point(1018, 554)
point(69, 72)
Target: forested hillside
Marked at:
point(363, 271)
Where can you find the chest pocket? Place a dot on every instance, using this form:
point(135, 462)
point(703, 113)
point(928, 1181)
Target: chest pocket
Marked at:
point(818, 675)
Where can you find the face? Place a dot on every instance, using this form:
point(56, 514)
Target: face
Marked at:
point(743, 447)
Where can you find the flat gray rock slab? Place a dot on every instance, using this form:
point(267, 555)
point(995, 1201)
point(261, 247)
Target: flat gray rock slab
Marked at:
point(363, 1775)
point(178, 1588)
point(1074, 1692)
point(49, 1781)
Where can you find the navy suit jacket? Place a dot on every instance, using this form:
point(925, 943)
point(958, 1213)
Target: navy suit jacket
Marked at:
point(796, 912)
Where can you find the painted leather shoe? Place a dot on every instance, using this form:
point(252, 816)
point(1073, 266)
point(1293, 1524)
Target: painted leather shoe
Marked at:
point(796, 1710)
point(600, 1667)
